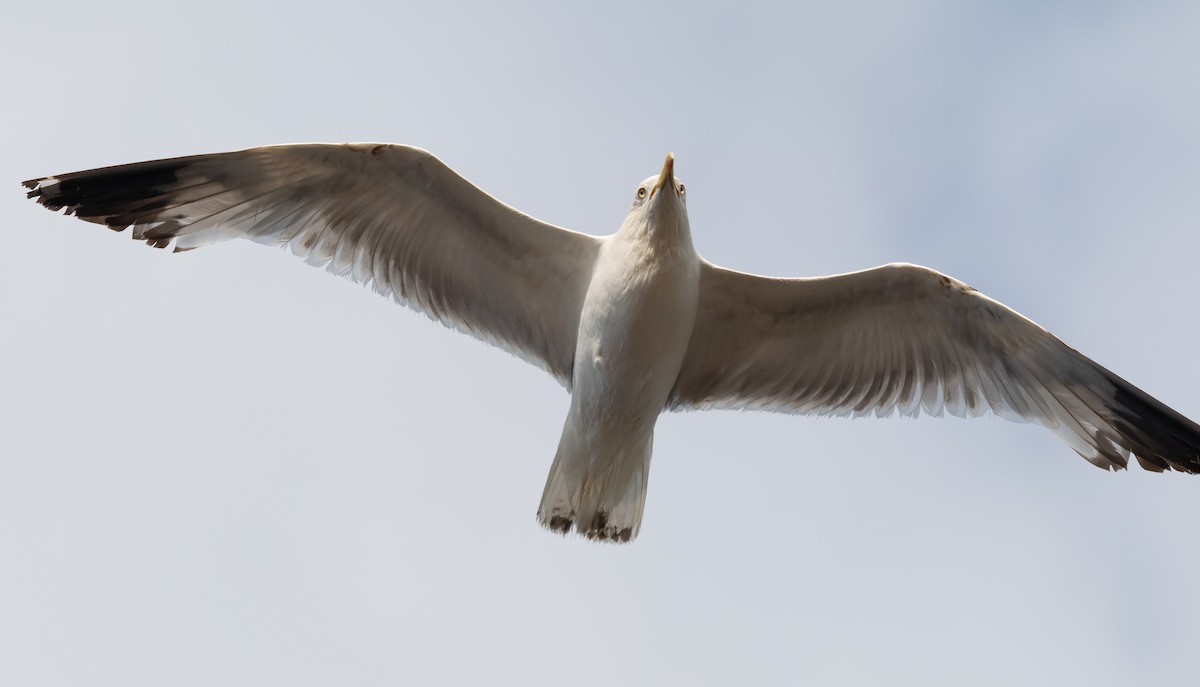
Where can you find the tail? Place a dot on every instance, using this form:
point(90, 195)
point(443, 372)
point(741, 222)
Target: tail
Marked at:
point(600, 497)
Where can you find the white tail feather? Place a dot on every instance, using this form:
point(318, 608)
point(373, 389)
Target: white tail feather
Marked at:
point(602, 497)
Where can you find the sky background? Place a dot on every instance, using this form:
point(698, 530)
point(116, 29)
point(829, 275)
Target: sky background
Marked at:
point(226, 467)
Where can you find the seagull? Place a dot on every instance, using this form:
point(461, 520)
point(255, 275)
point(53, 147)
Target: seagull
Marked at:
point(635, 323)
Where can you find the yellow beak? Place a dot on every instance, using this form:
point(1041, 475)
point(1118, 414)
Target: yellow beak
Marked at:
point(667, 178)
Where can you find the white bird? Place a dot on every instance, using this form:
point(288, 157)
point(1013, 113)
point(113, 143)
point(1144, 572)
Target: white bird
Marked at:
point(634, 323)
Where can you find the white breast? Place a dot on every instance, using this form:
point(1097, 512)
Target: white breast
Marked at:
point(634, 330)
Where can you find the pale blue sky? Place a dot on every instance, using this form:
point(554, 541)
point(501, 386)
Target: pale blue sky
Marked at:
point(226, 467)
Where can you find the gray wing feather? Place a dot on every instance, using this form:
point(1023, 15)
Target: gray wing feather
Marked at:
point(392, 216)
point(902, 339)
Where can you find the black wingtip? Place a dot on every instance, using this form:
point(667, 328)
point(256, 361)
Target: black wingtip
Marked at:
point(1160, 438)
point(116, 197)
point(34, 186)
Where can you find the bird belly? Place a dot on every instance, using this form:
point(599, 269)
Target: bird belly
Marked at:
point(634, 331)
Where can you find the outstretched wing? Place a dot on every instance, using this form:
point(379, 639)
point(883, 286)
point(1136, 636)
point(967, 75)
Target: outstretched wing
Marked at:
point(906, 338)
point(392, 216)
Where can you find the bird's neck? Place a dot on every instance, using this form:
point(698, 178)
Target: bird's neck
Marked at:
point(659, 232)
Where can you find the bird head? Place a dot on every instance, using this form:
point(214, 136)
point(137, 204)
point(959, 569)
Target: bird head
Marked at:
point(661, 200)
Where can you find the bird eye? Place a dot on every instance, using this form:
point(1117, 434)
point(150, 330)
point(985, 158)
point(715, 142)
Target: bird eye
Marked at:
point(682, 190)
point(642, 192)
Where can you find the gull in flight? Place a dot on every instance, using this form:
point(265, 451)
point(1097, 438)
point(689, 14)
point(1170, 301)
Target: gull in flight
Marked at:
point(634, 323)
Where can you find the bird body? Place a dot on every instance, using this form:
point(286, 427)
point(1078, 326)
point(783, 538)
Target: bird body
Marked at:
point(637, 322)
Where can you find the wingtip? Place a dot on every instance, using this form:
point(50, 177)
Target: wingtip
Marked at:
point(34, 186)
